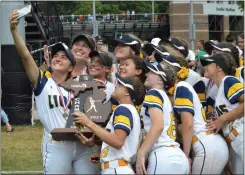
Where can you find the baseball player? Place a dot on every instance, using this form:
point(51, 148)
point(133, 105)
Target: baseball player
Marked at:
point(229, 105)
point(53, 104)
point(190, 112)
point(179, 48)
point(100, 67)
point(165, 156)
point(121, 135)
point(82, 45)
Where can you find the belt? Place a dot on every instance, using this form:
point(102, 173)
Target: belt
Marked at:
point(113, 164)
point(231, 135)
point(195, 138)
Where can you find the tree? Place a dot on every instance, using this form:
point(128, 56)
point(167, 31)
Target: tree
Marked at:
point(241, 5)
point(112, 7)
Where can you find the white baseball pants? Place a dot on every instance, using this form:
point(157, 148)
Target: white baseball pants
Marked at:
point(168, 160)
point(210, 154)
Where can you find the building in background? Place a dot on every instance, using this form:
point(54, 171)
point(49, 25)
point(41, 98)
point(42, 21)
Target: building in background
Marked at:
point(213, 19)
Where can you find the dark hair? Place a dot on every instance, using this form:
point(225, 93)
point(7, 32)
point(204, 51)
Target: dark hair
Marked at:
point(139, 90)
point(230, 38)
point(234, 52)
point(139, 64)
point(208, 47)
point(229, 61)
point(202, 42)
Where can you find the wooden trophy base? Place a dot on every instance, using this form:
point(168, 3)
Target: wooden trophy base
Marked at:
point(68, 134)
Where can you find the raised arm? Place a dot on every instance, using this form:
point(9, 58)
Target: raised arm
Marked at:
point(28, 61)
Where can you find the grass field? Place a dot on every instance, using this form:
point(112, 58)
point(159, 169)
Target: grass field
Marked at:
point(21, 149)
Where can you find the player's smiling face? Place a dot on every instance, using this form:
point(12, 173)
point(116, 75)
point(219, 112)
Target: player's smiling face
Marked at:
point(60, 62)
point(122, 52)
point(96, 69)
point(80, 51)
point(128, 70)
point(151, 80)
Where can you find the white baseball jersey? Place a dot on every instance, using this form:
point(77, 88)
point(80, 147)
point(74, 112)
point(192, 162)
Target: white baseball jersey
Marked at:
point(156, 98)
point(230, 90)
point(240, 74)
point(49, 103)
point(186, 100)
point(124, 117)
point(198, 83)
point(211, 94)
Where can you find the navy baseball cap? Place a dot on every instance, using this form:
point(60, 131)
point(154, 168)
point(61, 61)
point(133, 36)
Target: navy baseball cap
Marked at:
point(128, 41)
point(105, 59)
point(160, 53)
point(62, 46)
point(157, 69)
point(128, 83)
point(221, 47)
point(89, 41)
point(218, 60)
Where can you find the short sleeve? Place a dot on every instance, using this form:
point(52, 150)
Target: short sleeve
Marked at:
point(123, 119)
point(183, 100)
point(42, 80)
point(233, 89)
point(200, 88)
point(153, 99)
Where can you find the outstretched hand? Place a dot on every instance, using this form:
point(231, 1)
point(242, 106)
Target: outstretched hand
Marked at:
point(13, 23)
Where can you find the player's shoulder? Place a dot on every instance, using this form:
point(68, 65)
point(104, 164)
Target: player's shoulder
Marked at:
point(230, 80)
point(183, 84)
point(121, 108)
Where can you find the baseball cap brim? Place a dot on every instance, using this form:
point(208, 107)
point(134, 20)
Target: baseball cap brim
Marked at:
point(61, 46)
point(157, 69)
point(105, 59)
point(217, 59)
point(160, 54)
point(221, 47)
point(87, 39)
point(174, 43)
point(128, 84)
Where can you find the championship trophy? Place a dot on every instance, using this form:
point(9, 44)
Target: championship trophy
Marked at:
point(89, 99)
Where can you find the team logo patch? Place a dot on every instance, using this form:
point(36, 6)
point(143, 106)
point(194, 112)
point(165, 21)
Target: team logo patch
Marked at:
point(104, 152)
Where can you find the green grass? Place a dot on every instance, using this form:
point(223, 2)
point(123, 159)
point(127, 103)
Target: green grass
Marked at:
point(21, 149)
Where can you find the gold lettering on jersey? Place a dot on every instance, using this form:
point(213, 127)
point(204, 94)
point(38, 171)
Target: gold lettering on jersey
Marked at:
point(77, 104)
point(54, 101)
point(104, 152)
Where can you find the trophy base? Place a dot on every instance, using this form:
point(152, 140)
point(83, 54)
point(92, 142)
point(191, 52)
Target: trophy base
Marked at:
point(68, 134)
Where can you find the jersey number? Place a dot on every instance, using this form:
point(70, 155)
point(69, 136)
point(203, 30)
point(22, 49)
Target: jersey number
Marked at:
point(221, 109)
point(172, 127)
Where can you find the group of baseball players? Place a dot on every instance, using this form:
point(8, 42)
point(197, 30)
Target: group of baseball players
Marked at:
point(166, 118)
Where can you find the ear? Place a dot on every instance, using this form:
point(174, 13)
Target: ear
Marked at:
point(70, 68)
point(138, 72)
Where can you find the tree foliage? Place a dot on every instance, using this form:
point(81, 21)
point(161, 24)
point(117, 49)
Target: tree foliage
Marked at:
point(112, 7)
point(241, 5)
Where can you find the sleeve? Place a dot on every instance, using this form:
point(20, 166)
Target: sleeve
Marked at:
point(200, 88)
point(114, 103)
point(123, 119)
point(153, 99)
point(233, 89)
point(183, 100)
point(210, 104)
point(191, 56)
point(41, 82)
